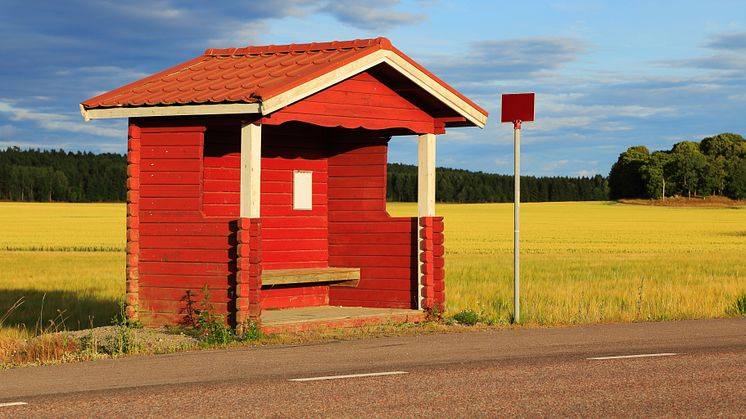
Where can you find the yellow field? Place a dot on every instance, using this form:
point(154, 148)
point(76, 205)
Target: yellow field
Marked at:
point(65, 260)
point(581, 262)
point(593, 261)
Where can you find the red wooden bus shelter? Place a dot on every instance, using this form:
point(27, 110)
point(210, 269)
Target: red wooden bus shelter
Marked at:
point(260, 172)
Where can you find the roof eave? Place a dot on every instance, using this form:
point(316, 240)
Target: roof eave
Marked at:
point(172, 110)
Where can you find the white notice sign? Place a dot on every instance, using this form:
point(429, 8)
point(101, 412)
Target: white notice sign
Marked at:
point(302, 190)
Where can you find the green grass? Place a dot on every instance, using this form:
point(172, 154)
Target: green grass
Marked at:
point(581, 262)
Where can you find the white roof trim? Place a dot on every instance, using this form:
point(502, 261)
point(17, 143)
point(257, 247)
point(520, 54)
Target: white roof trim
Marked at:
point(446, 96)
point(174, 110)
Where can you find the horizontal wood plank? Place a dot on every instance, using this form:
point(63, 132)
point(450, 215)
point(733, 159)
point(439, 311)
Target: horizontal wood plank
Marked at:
point(170, 165)
point(187, 268)
point(170, 191)
point(196, 294)
point(372, 238)
point(170, 178)
point(186, 229)
point(179, 216)
point(187, 242)
point(299, 276)
point(188, 281)
point(187, 255)
point(171, 152)
point(170, 204)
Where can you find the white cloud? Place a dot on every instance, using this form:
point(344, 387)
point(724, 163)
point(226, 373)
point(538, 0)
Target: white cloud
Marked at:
point(153, 9)
point(57, 122)
point(242, 35)
point(508, 59)
point(454, 135)
point(371, 15)
point(562, 103)
point(733, 41)
point(551, 123)
point(738, 97)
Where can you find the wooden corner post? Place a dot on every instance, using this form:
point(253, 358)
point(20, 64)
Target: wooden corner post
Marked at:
point(249, 256)
point(132, 298)
point(425, 212)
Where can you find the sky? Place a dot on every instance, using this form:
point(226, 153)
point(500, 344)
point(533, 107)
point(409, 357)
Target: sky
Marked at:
point(607, 74)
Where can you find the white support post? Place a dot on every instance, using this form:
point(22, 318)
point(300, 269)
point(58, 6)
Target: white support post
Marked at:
point(251, 162)
point(425, 194)
point(426, 175)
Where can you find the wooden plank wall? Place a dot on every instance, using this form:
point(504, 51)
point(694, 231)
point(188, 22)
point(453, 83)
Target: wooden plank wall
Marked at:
point(181, 250)
point(360, 101)
point(361, 233)
point(290, 238)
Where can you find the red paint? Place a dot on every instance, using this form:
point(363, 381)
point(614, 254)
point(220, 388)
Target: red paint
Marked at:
point(306, 296)
point(387, 262)
point(179, 250)
point(517, 107)
point(359, 102)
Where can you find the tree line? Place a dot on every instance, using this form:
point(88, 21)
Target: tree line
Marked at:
point(457, 185)
point(56, 175)
point(714, 166)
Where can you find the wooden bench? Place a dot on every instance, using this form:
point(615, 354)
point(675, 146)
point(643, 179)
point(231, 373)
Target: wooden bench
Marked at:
point(345, 277)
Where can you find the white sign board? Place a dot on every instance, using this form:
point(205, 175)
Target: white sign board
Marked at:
point(302, 190)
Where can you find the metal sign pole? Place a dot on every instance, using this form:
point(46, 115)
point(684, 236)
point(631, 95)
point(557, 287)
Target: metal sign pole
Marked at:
point(517, 108)
point(516, 220)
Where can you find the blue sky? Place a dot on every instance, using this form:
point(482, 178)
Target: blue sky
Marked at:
point(607, 75)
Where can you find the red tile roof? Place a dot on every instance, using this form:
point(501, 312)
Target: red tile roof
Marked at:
point(246, 75)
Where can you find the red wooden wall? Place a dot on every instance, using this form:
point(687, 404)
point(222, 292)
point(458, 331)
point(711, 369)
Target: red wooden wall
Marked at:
point(361, 233)
point(180, 249)
point(360, 101)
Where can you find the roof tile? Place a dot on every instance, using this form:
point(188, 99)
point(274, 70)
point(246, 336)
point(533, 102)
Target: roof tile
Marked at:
point(248, 74)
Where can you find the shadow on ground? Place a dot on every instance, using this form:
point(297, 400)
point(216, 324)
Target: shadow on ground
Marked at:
point(54, 310)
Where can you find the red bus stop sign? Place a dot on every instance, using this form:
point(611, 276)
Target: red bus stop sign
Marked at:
point(517, 107)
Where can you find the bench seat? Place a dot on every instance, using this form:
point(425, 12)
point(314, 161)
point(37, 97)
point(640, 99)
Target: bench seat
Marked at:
point(346, 277)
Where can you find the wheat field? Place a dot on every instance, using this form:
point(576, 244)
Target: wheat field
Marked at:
point(66, 263)
point(584, 262)
point(581, 262)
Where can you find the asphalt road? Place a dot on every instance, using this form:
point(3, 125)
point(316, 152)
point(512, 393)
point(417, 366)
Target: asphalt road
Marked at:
point(699, 369)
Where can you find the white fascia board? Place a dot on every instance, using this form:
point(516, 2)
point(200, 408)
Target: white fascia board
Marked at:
point(175, 110)
point(436, 89)
point(381, 56)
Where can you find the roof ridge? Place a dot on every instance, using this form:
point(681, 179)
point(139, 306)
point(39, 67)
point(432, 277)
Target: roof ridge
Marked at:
point(382, 42)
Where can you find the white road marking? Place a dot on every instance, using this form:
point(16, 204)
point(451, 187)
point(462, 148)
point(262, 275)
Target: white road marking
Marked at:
point(13, 404)
point(337, 377)
point(599, 358)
